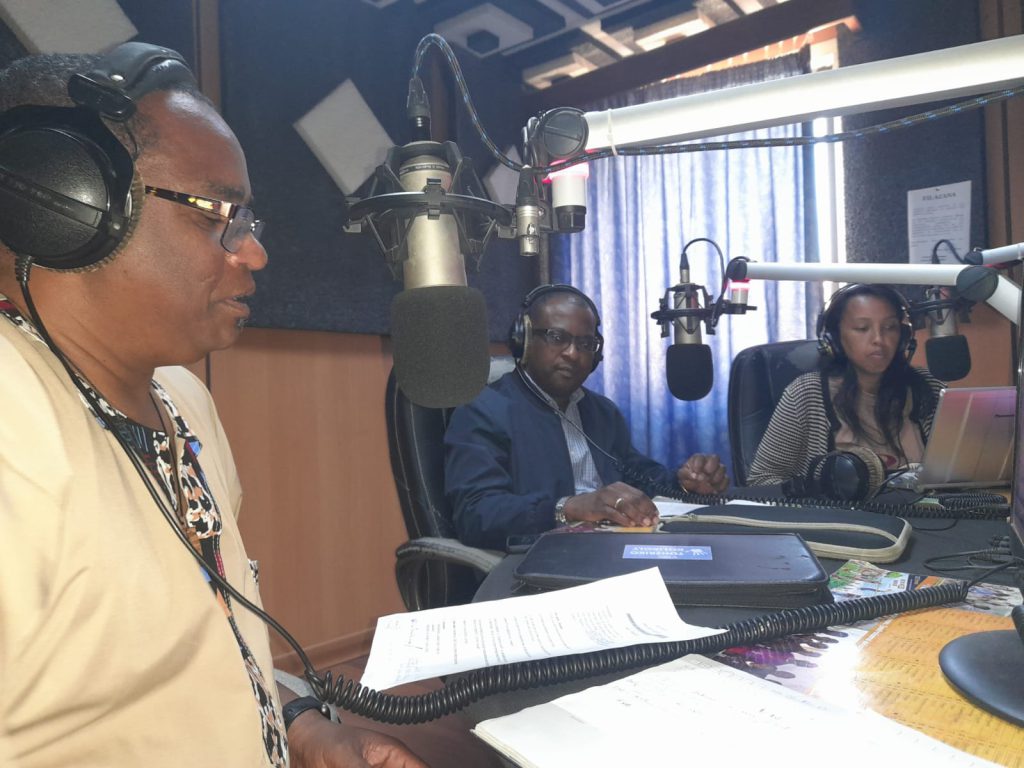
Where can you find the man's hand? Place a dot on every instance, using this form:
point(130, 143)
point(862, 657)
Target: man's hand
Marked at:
point(316, 742)
point(617, 503)
point(703, 474)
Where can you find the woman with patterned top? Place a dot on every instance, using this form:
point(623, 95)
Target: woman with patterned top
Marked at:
point(866, 394)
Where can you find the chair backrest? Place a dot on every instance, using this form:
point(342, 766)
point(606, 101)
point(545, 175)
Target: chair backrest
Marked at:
point(416, 446)
point(757, 379)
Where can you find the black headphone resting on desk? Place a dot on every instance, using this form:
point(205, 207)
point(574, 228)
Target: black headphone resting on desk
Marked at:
point(850, 474)
point(829, 345)
point(521, 331)
point(69, 191)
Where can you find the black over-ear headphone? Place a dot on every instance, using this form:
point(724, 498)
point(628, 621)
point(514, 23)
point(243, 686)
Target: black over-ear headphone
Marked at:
point(521, 331)
point(69, 194)
point(851, 474)
point(830, 347)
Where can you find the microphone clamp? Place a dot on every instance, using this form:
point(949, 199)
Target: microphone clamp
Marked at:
point(681, 311)
point(937, 301)
point(708, 313)
point(388, 211)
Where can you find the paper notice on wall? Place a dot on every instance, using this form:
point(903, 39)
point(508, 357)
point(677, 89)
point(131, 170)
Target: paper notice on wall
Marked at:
point(935, 214)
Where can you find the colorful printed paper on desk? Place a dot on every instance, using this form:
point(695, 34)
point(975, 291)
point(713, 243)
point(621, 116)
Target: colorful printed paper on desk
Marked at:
point(891, 665)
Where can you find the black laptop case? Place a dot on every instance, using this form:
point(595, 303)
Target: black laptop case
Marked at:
point(727, 569)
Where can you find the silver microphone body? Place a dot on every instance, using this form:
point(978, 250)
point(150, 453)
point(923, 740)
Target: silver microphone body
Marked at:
point(435, 257)
point(686, 330)
point(942, 322)
point(688, 365)
point(946, 352)
point(438, 323)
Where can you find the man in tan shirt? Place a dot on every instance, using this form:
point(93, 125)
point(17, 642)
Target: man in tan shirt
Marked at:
point(116, 646)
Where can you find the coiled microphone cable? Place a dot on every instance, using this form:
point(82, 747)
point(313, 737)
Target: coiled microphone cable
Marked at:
point(473, 686)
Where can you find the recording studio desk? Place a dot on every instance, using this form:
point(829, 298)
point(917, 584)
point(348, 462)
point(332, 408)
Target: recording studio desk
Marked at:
point(925, 543)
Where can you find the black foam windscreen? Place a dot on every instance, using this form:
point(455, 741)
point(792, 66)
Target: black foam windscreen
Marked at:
point(689, 371)
point(948, 357)
point(439, 335)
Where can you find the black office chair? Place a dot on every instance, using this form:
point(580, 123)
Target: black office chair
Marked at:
point(757, 379)
point(433, 568)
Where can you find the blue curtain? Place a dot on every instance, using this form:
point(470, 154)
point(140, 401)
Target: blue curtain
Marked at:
point(641, 211)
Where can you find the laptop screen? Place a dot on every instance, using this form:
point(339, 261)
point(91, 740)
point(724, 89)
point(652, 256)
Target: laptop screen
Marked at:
point(971, 440)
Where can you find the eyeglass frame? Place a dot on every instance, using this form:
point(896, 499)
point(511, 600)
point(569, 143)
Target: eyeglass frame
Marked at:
point(226, 210)
point(598, 342)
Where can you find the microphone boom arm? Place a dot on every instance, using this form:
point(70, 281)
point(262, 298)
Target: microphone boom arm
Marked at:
point(1005, 296)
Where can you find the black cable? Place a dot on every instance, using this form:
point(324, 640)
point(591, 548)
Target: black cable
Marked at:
point(721, 257)
point(980, 512)
point(976, 559)
point(1013, 562)
point(952, 249)
point(23, 268)
point(460, 81)
point(952, 524)
point(459, 693)
point(718, 303)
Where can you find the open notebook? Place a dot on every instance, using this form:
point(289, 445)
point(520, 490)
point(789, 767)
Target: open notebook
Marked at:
point(971, 442)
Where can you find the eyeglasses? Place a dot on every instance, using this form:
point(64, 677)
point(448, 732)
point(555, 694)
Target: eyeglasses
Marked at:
point(560, 339)
point(241, 219)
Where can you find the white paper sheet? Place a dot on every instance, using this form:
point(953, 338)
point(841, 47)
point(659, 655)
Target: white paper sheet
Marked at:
point(939, 213)
point(669, 508)
point(697, 709)
point(611, 613)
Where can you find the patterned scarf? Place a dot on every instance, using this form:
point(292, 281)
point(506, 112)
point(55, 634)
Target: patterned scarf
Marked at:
point(200, 519)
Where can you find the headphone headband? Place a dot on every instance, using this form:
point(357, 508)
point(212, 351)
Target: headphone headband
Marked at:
point(126, 74)
point(542, 290)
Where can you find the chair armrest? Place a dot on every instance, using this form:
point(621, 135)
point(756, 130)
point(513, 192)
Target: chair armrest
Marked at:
point(448, 551)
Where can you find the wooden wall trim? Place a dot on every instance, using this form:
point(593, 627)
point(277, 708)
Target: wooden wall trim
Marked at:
point(1004, 153)
point(206, 19)
point(329, 653)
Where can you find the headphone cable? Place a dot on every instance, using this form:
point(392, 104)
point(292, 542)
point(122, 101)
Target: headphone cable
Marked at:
point(23, 268)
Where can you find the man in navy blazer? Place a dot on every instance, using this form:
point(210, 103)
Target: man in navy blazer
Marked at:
point(536, 450)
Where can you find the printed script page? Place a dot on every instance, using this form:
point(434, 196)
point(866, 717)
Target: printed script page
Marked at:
point(697, 709)
point(610, 613)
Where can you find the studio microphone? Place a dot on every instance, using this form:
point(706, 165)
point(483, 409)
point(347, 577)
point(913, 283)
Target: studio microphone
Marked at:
point(426, 210)
point(946, 351)
point(688, 365)
point(438, 323)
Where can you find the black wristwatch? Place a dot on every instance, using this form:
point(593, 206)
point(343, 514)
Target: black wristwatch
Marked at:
point(296, 707)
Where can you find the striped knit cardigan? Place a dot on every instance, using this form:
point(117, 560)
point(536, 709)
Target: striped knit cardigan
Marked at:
point(804, 426)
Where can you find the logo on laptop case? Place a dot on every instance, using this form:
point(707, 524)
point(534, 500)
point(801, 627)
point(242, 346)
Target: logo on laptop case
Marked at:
point(664, 552)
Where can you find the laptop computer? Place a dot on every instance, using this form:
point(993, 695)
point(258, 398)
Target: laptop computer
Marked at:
point(971, 442)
